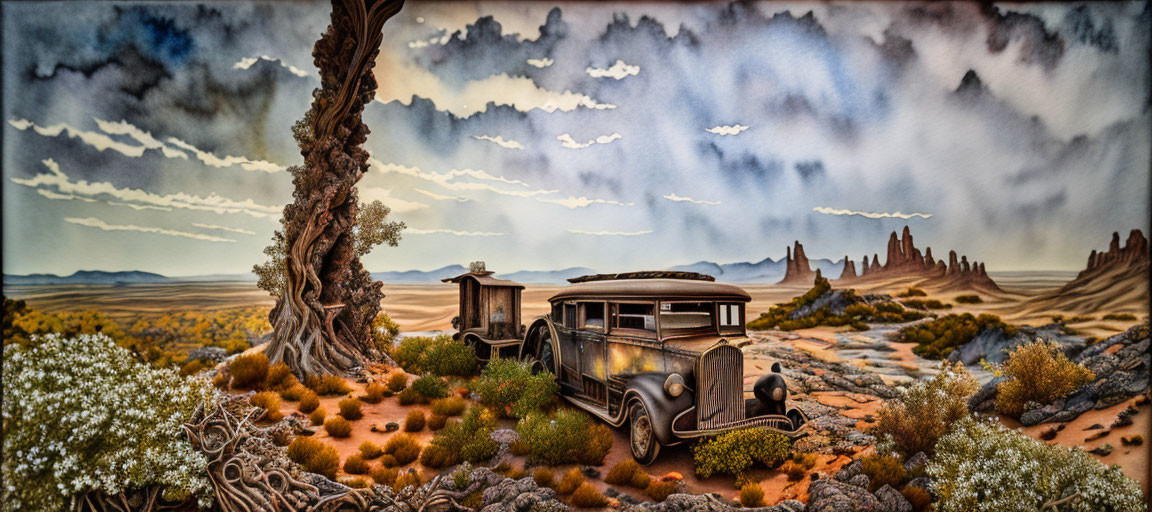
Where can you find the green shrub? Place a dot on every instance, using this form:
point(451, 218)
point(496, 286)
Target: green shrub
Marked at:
point(397, 382)
point(916, 419)
point(430, 387)
point(314, 456)
point(374, 393)
point(415, 421)
point(509, 387)
point(969, 299)
point(270, 402)
point(1120, 317)
point(435, 457)
point(913, 292)
point(384, 332)
point(451, 406)
point(567, 436)
point(937, 339)
point(248, 371)
point(854, 315)
point(884, 470)
point(469, 439)
point(309, 402)
point(982, 466)
point(752, 495)
point(735, 451)
point(436, 422)
point(81, 414)
point(317, 416)
point(1038, 372)
point(328, 385)
point(586, 496)
point(370, 450)
point(403, 448)
point(355, 465)
point(440, 356)
point(338, 427)
point(925, 304)
point(571, 481)
point(410, 396)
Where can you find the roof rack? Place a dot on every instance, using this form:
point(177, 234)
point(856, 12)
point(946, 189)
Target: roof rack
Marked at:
point(644, 274)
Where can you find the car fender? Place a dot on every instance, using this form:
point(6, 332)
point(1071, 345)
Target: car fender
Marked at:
point(649, 388)
point(542, 322)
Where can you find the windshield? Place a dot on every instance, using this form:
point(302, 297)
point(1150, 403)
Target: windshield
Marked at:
point(685, 317)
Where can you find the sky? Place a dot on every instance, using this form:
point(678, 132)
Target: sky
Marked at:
point(542, 135)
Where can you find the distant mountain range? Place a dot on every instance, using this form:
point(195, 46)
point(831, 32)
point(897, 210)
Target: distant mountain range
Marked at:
point(766, 271)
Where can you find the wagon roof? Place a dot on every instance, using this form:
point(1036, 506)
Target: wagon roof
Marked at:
point(652, 289)
point(484, 278)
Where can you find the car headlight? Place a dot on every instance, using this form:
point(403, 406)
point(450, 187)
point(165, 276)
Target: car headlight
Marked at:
point(674, 385)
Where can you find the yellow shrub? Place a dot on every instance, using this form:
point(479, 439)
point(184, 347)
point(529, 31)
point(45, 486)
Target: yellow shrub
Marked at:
point(309, 401)
point(586, 496)
point(317, 417)
point(355, 465)
point(279, 376)
point(397, 382)
point(314, 456)
point(403, 447)
point(751, 495)
point(544, 477)
point(384, 475)
point(884, 469)
point(270, 402)
point(248, 370)
point(406, 479)
point(370, 450)
point(350, 409)
point(374, 393)
point(1038, 372)
point(915, 420)
point(294, 393)
point(571, 481)
point(624, 473)
point(436, 422)
point(328, 385)
point(735, 451)
point(451, 406)
point(660, 489)
point(415, 421)
point(338, 427)
point(435, 456)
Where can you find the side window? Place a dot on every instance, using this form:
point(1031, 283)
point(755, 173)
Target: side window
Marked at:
point(730, 315)
point(570, 316)
point(636, 317)
point(558, 312)
point(591, 315)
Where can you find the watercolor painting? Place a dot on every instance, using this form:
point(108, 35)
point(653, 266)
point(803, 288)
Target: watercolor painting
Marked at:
point(377, 255)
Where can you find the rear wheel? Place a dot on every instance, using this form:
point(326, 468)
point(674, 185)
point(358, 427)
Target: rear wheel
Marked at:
point(641, 434)
point(544, 358)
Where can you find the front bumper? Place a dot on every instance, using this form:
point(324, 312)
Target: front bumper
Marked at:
point(782, 424)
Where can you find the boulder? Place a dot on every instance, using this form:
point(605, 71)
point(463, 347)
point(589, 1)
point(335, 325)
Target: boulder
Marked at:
point(891, 500)
point(916, 461)
point(836, 496)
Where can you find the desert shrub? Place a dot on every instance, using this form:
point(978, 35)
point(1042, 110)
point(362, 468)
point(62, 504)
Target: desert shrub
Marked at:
point(752, 495)
point(397, 382)
point(571, 481)
point(410, 396)
point(794, 470)
point(544, 477)
point(983, 466)
point(248, 370)
point(1079, 319)
point(350, 409)
point(1132, 440)
point(314, 456)
point(317, 417)
point(884, 469)
point(270, 402)
point(294, 393)
point(925, 304)
point(436, 422)
point(403, 447)
point(912, 292)
point(440, 356)
point(338, 427)
point(435, 457)
point(451, 406)
point(622, 472)
point(384, 332)
point(937, 338)
point(389, 461)
point(384, 475)
point(328, 385)
point(1120, 317)
point(567, 436)
point(374, 393)
point(194, 366)
point(279, 376)
point(918, 497)
point(659, 489)
point(735, 451)
point(220, 381)
point(916, 419)
point(468, 439)
point(355, 465)
point(510, 387)
point(586, 496)
point(370, 450)
point(81, 414)
point(309, 402)
point(415, 421)
point(855, 314)
point(969, 299)
point(430, 387)
point(1038, 372)
point(406, 479)
point(355, 483)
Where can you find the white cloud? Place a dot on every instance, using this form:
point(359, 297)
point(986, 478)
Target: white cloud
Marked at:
point(674, 197)
point(247, 62)
point(447, 180)
point(870, 215)
point(453, 232)
point(441, 197)
point(510, 144)
point(139, 207)
point(518, 92)
point(580, 202)
point(224, 228)
point(69, 197)
point(608, 233)
point(139, 199)
point(541, 63)
point(436, 40)
point(570, 143)
point(384, 195)
point(102, 141)
point(618, 71)
point(93, 222)
point(727, 129)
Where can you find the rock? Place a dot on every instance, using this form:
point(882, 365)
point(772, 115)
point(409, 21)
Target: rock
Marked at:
point(835, 496)
point(850, 470)
point(797, 269)
point(590, 472)
point(891, 500)
point(210, 354)
point(919, 482)
point(391, 426)
point(1101, 450)
point(1094, 426)
point(861, 481)
point(916, 461)
point(986, 392)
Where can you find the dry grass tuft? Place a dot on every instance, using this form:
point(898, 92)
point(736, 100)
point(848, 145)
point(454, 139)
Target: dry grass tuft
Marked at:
point(338, 427)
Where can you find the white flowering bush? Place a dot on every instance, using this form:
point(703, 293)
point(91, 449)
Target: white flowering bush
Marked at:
point(80, 414)
point(984, 466)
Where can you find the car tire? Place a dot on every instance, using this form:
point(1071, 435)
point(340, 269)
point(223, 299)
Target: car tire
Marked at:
point(641, 433)
point(544, 360)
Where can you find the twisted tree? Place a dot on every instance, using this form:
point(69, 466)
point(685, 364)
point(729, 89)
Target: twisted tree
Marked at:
point(326, 300)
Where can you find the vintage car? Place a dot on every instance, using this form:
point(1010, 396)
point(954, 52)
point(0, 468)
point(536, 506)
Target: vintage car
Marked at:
point(660, 352)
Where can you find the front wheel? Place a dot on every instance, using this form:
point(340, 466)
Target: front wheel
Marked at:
point(544, 359)
point(642, 434)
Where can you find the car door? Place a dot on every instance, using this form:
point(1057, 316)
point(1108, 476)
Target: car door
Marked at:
point(590, 336)
point(566, 330)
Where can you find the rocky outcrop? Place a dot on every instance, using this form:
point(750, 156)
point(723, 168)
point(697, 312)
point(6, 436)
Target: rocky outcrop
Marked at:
point(797, 270)
point(993, 345)
point(847, 491)
point(849, 271)
point(1131, 259)
point(906, 260)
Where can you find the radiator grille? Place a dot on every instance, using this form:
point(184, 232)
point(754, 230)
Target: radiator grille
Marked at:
point(720, 379)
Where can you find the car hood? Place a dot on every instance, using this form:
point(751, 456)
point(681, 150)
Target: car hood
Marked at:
point(701, 343)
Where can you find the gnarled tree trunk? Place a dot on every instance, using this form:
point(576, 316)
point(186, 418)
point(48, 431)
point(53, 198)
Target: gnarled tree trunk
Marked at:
point(322, 322)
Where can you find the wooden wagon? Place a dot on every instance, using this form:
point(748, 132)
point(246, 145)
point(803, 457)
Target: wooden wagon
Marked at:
point(489, 318)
